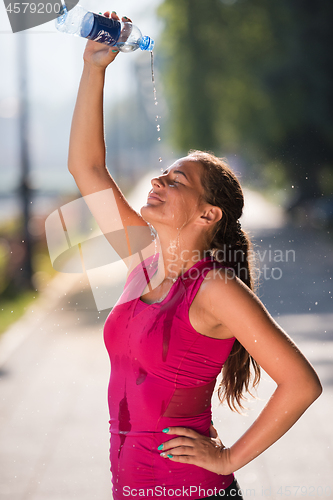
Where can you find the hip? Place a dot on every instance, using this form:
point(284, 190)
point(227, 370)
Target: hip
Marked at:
point(138, 470)
point(232, 491)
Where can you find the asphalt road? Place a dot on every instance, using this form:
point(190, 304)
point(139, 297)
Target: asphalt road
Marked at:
point(54, 373)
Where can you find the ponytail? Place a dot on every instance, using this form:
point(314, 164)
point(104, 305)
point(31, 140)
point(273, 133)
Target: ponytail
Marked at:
point(231, 245)
point(236, 372)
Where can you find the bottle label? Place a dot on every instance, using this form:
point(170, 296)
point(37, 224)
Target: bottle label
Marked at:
point(105, 30)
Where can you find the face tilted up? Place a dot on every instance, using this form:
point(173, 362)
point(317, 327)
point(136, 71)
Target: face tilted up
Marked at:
point(176, 197)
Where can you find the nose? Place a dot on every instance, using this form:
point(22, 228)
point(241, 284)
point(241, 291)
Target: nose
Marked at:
point(156, 181)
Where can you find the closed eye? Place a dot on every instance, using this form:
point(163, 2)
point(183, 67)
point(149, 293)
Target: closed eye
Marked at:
point(172, 182)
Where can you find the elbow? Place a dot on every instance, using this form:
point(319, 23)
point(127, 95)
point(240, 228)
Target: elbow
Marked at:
point(71, 167)
point(313, 389)
point(317, 389)
point(73, 162)
point(311, 384)
point(306, 389)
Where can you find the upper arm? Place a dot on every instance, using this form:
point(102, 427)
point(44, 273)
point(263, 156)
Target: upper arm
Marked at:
point(235, 306)
point(124, 228)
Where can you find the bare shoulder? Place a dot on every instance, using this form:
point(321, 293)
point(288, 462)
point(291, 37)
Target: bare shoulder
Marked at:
point(208, 300)
point(232, 304)
point(227, 304)
point(222, 284)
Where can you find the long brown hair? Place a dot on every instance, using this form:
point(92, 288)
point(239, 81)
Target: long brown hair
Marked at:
point(231, 245)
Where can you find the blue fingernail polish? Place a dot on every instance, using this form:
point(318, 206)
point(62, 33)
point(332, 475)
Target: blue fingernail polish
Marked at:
point(160, 447)
point(166, 429)
point(169, 456)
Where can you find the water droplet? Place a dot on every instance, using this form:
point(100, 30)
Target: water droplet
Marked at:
point(154, 94)
point(293, 187)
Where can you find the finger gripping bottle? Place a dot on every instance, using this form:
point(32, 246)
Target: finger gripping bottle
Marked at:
point(124, 36)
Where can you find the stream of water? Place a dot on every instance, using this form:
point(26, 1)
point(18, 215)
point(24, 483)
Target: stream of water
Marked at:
point(158, 127)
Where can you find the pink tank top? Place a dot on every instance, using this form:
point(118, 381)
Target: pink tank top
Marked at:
point(163, 373)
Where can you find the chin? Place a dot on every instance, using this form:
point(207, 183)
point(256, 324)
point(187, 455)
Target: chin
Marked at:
point(148, 214)
point(144, 211)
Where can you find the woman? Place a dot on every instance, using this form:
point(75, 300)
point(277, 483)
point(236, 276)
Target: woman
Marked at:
point(187, 310)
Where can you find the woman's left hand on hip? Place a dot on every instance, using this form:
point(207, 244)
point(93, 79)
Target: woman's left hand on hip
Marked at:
point(193, 448)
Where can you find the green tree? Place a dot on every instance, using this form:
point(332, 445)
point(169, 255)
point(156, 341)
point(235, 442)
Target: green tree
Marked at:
point(254, 77)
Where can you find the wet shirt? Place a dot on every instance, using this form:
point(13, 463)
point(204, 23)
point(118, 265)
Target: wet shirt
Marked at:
point(163, 373)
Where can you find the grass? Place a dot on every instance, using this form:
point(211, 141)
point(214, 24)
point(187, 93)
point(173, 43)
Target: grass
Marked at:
point(12, 309)
point(14, 305)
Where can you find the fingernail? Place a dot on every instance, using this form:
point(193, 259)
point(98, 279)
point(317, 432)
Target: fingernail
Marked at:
point(166, 429)
point(114, 12)
point(114, 50)
point(162, 454)
point(125, 17)
point(100, 13)
point(169, 456)
point(212, 422)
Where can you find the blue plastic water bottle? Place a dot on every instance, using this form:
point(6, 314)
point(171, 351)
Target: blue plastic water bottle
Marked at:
point(125, 36)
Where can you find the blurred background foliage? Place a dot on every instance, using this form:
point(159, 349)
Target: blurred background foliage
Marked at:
point(254, 78)
point(248, 79)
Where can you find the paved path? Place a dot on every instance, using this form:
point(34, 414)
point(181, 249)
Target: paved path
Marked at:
point(301, 301)
point(54, 372)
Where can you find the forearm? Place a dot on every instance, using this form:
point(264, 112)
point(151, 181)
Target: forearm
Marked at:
point(287, 404)
point(86, 145)
point(281, 412)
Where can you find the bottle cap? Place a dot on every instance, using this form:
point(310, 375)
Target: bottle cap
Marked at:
point(147, 43)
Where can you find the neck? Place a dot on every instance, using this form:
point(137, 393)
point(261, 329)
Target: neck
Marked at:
point(176, 257)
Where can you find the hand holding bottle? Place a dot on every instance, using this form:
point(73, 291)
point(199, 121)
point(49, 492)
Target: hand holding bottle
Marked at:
point(106, 30)
point(101, 55)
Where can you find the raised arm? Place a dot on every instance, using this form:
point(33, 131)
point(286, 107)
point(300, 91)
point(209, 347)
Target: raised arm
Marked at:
point(86, 159)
